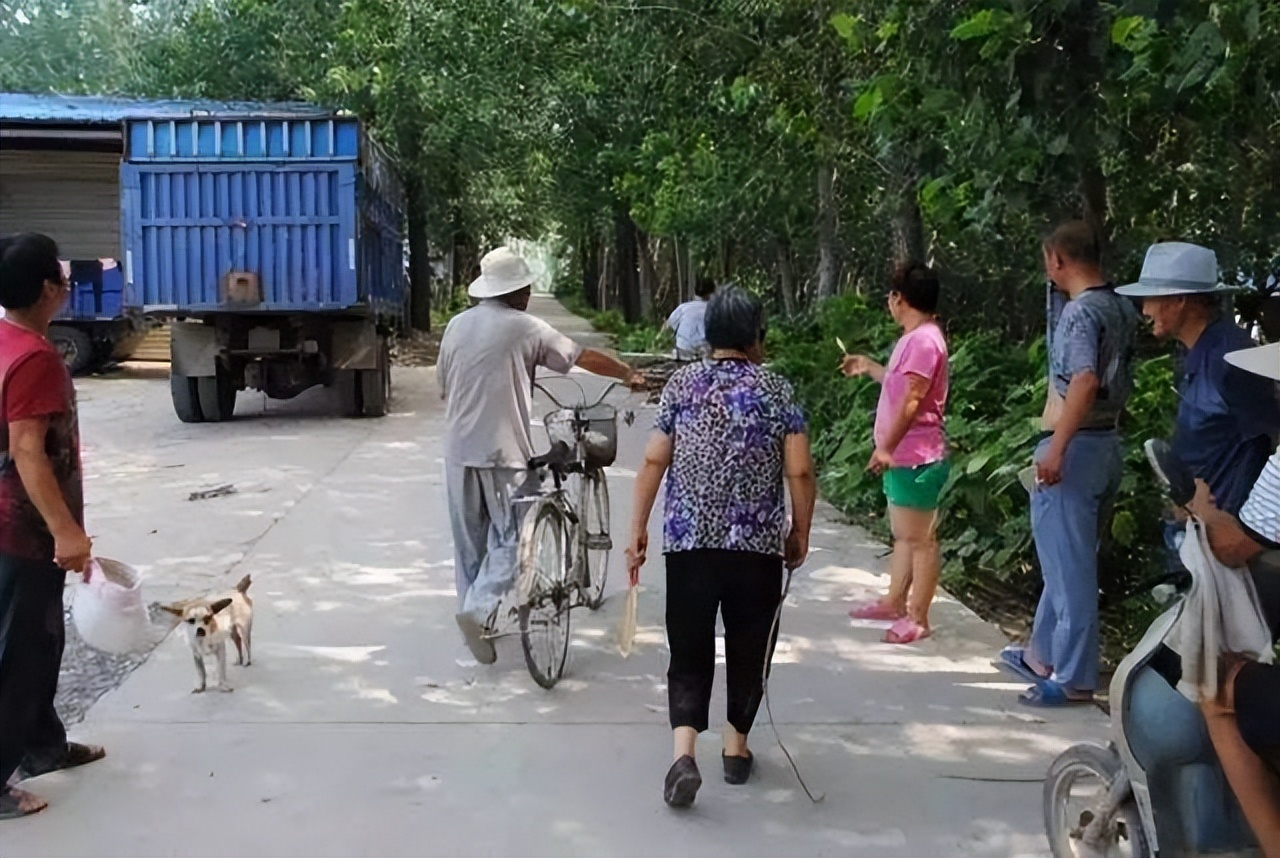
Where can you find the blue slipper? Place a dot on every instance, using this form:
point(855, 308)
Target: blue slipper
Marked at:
point(1013, 659)
point(1047, 694)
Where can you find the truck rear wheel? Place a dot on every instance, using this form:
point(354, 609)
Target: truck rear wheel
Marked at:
point(375, 384)
point(186, 398)
point(217, 395)
point(75, 346)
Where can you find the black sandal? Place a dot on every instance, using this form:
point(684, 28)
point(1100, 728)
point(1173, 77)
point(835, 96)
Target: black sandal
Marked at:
point(74, 756)
point(737, 770)
point(683, 782)
point(11, 806)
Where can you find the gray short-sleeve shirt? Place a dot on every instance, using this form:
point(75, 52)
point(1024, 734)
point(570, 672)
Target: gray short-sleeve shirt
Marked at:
point(1095, 333)
point(489, 356)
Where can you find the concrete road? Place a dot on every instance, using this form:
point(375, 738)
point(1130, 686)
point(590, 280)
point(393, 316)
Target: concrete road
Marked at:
point(364, 728)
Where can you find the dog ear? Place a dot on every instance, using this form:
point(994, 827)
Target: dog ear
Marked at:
point(176, 610)
point(220, 605)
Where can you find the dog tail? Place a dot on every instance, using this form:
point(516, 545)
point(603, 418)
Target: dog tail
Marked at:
point(243, 586)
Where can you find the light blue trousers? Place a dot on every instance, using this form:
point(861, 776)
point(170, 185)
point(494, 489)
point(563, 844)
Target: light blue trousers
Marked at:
point(486, 534)
point(1067, 521)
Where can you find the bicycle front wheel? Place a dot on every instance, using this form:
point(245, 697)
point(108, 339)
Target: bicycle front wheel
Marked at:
point(545, 594)
point(593, 536)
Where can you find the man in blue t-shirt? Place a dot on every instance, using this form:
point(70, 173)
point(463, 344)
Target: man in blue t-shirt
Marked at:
point(1227, 419)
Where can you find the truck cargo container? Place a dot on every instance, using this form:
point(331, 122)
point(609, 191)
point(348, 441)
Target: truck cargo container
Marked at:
point(273, 239)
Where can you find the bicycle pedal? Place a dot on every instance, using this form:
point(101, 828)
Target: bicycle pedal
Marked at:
point(599, 542)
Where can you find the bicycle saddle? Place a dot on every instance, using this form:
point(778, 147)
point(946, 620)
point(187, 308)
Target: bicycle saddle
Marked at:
point(559, 456)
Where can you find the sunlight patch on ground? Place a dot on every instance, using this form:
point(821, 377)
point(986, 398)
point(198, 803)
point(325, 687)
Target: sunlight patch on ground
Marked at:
point(347, 654)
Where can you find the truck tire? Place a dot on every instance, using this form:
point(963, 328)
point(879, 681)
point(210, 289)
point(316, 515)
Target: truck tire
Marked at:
point(186, 399)
point(75, 346)
point(375, 384)
point(217, 396)
point(347, 383)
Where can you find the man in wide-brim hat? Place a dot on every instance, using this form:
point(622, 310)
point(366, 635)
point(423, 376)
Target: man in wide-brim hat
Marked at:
point(488, 358)
point(1227, 419)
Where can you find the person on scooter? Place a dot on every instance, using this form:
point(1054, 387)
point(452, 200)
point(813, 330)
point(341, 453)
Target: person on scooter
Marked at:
point(1244, 721)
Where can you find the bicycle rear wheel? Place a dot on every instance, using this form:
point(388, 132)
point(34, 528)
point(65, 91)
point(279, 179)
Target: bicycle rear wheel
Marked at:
point(593, 536)
point(545, 594)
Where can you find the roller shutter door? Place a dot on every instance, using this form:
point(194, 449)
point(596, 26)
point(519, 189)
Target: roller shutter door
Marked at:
point(72, 196)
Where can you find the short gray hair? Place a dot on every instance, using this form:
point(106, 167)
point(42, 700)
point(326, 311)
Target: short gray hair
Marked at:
point(735, 319)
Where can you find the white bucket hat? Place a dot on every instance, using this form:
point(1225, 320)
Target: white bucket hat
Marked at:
point(1259, 360)
point(1176, 268)
point(502, 271)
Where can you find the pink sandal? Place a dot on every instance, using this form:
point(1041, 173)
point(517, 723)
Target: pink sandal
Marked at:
point(877, 610)
point(905, 631)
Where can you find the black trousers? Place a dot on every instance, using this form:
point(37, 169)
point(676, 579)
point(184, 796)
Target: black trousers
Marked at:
point(32, 636)
point(745, 588)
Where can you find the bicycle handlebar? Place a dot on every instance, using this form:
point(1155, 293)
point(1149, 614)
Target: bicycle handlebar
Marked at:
point(609, 388)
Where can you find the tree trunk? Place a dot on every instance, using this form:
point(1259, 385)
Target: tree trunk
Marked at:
point(828, 224)
point(648, 282)
point(908, 225)
point(626, 271)
point(786, 276)
point(419, 258)
point(589, 257)
point(1093, 199)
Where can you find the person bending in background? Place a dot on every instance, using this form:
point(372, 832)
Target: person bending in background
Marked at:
point(688, 321)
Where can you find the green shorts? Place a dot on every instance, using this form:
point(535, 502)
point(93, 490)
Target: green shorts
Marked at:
point(918, 487)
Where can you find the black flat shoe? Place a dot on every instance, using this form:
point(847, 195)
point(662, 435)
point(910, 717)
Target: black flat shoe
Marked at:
point(737, 770)
point(683, 781)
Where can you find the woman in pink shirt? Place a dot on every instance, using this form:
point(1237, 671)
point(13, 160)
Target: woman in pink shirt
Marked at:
point(911, 451)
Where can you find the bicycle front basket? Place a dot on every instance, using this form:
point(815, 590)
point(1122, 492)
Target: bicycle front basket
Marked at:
point(600, 434)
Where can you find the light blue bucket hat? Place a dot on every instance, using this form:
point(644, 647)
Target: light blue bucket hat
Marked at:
point(1177, 268)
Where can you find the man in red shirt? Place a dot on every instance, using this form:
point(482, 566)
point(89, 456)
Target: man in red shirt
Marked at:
point(41, 519)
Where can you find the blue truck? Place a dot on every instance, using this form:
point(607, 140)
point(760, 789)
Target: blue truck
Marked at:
point(274, 240)
point(269, 235)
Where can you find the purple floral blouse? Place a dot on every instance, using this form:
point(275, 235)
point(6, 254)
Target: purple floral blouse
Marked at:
point(728, 420)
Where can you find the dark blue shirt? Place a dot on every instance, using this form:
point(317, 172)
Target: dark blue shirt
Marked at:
point(1228, 419)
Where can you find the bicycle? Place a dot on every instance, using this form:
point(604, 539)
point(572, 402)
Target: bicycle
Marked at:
point(564, 533)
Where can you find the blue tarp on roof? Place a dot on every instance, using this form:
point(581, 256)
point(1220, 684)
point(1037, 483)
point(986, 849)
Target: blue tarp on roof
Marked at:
point(101, 110)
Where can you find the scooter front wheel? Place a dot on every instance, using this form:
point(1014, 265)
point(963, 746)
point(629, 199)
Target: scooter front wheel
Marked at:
point(1075, 793)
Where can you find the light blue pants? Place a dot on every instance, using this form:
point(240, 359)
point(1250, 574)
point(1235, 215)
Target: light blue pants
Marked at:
point(1067, 521)
point(486, 534)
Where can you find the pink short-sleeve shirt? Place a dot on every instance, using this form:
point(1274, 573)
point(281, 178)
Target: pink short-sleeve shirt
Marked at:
point(921, 352)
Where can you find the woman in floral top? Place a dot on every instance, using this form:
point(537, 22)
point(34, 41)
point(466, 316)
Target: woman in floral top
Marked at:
point(728, 433)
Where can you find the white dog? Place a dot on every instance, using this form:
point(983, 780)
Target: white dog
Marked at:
point(208, 624)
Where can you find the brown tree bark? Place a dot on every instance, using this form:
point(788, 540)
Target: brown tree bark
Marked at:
point(786, 275)
point(589, 261)
point(627, 269)
point(648, 278)
point(828, 225)
point(419, 257)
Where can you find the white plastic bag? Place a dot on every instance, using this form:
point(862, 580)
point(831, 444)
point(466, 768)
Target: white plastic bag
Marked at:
point(627, 623)
point(108, 609)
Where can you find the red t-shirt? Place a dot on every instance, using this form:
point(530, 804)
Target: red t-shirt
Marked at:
point(34, 382)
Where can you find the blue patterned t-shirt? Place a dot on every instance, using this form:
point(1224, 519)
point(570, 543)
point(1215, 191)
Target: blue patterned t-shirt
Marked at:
point(728, 420)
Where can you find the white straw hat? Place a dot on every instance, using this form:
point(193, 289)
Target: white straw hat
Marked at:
point(502, 271)
point(1176, 268)
point(1259, 360)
